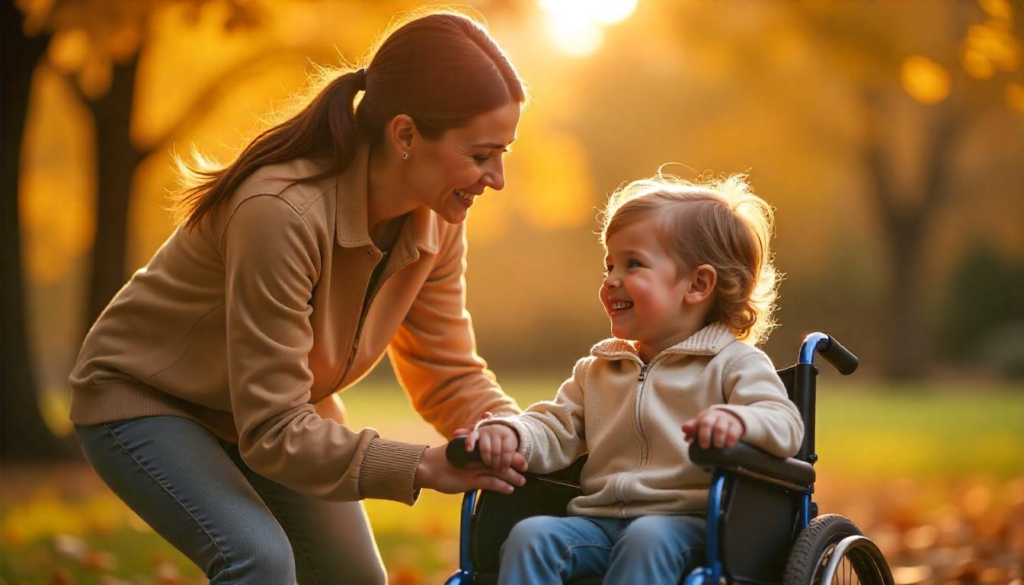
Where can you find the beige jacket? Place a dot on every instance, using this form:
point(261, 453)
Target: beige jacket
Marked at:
point(253, 321)
point(629, 417)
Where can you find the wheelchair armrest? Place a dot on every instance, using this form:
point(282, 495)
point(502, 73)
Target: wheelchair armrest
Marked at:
point(753, 462)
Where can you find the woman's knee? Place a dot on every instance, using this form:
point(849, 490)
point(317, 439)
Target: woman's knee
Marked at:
point(258, 556)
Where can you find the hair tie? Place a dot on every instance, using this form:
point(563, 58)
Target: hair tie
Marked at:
point(360, 78)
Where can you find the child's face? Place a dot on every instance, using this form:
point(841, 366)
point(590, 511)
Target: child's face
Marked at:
point(642, 291)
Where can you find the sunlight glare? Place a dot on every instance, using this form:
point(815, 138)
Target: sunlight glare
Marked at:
point(576, 37)
point(575, 26)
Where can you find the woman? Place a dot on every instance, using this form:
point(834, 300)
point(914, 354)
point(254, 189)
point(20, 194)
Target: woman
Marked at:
point(204, 394)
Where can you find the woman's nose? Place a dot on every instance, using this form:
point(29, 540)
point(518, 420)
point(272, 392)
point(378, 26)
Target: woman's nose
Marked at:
point(495, 179)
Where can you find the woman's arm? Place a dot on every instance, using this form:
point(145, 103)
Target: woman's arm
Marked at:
point(271, 265)
point(434, 351)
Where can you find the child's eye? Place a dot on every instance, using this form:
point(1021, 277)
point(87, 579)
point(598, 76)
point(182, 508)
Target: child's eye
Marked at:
point(608, 269)
point(633, 264)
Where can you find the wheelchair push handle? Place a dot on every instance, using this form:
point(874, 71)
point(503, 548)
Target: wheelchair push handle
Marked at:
point(830, 349)
point(457, 454)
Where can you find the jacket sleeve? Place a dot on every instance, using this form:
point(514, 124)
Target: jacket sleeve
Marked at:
point(434, 351)
point(271, 263)
point(552, 434)
point(754, 392)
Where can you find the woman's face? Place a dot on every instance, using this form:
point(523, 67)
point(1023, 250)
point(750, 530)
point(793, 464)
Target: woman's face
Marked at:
point(449, 173)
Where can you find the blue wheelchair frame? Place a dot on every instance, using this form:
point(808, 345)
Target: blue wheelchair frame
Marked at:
point(813, 343)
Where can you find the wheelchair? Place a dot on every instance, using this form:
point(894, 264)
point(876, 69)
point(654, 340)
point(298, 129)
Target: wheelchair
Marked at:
point(763, 525)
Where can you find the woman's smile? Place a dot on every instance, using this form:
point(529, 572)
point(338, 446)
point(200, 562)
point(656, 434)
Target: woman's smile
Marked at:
point(466, 198)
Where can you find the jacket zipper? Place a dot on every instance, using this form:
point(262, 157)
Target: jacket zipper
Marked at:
point(639, 422)
point(366, 309)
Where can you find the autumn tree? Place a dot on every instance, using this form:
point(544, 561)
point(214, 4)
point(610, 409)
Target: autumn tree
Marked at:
point(23, 434)
point(97, 47)
point(940, 89)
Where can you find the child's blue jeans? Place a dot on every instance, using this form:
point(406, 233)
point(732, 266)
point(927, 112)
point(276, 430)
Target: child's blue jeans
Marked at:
point(649, 550)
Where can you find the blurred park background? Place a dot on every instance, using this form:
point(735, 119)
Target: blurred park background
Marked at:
point(888, 135)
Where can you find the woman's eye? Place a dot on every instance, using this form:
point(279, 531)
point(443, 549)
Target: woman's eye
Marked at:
point(481, 158)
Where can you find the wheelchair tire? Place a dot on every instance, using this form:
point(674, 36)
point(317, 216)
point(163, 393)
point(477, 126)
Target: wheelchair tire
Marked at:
point(862, 562)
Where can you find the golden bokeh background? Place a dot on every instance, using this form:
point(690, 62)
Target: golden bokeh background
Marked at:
point(888, 135)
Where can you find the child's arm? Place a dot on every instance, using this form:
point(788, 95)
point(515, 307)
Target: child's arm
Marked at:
point(713, 426)
point(551, 433)
point(756, 398)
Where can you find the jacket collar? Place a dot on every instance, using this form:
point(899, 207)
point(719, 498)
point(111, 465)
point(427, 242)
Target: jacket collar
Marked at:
point(419, 232)
point(708, 341)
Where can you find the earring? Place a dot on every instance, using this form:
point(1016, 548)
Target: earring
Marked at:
point(405, 155)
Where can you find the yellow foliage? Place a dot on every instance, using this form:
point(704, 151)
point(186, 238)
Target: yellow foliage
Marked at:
point(988, 47)
point(925, 80)
point(549, 185)
point(557, 177)
point(56, 183)
point(1015, 97)
point(95, 75)
point(977, 65)
point(55, 408)
point(47, 515)
point(69, 49)
point(997, 9)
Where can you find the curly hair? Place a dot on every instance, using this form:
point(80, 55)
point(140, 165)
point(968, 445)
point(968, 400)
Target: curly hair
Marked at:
point(719, 222)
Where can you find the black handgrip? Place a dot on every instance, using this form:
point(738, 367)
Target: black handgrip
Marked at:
point(840, 357)
point(457, 454)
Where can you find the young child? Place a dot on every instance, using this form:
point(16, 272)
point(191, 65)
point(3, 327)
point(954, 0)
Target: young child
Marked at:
point(689, 290)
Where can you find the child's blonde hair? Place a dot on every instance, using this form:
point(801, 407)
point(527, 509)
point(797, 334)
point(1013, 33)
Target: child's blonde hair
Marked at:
point(719, 222)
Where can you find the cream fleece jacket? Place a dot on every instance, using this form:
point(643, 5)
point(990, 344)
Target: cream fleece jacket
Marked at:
point(628, 416)
point(251, 323)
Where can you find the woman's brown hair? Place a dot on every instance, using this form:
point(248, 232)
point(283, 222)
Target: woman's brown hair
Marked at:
point(441, 69)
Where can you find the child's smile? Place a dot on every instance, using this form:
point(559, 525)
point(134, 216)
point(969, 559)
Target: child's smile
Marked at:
point(643, 295)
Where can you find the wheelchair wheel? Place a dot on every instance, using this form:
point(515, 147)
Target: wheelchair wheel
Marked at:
point(832, 550)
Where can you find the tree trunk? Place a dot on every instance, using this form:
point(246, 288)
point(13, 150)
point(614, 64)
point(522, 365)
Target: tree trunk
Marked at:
point(906, 348)
point(24, 435)
point(116, 160)
point(905, 221)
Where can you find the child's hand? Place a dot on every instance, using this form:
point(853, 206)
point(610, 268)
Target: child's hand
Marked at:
point(720, 426)
point(498, 446)
point(465, 431)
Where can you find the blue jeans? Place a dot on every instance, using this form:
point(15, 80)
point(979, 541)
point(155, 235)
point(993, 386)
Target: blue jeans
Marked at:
point(649, 550)
point(238, 527)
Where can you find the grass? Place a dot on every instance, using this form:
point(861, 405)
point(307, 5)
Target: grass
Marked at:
point(863, 430)
point(866, 435)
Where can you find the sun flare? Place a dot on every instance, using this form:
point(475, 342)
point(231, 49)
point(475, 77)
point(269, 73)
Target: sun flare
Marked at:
point(576, 26)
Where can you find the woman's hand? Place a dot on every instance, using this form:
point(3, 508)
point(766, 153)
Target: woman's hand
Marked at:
point(714, 425)
point(434, 472)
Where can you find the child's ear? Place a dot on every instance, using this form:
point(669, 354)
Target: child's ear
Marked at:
point(702, 285)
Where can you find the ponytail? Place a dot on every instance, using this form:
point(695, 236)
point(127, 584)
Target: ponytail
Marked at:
point(325, 127)
point(441, 69)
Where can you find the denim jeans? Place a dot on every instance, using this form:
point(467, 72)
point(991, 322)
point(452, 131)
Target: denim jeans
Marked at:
point(649, 550)
point(238, 527)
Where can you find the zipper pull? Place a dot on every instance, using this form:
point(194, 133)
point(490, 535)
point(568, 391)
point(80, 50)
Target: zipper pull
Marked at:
point(643, 373)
